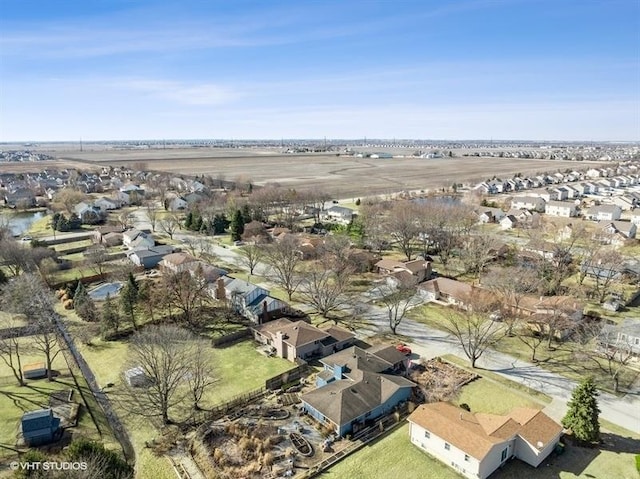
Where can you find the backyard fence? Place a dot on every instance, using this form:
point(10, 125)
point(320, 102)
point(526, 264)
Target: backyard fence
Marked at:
point(294, 374)
point(231, 337)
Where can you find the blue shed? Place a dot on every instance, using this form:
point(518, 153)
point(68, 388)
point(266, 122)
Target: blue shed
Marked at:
point(40, 427)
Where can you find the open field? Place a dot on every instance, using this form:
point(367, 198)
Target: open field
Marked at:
point(344, 176)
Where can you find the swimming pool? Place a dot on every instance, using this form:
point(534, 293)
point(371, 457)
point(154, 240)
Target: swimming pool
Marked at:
point(100, 293)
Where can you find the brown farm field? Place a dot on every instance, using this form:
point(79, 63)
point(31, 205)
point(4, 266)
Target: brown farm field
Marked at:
point(343, 176)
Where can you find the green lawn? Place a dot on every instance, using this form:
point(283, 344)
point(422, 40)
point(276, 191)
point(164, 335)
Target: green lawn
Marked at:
point(239, 368)
point(393, 456)
point(565, 359)
point(484, 395)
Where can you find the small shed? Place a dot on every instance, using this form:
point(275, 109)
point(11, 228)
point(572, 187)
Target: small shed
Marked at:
point(136, 377)
point(34, 371)
point(40, 427)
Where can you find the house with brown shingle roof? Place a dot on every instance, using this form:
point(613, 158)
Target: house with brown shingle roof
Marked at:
point(301, 340)
point(476, 444)
point(357, 386)
point(407, 272)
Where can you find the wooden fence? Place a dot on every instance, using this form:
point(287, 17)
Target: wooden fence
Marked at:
point(231, 337)
point(294, 374)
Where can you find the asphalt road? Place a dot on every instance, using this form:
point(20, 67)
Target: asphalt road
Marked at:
point(428, 343)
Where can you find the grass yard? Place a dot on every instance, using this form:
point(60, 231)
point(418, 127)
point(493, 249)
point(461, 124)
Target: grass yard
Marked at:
point(239, 368)
point(484, 395)
point(389, 457)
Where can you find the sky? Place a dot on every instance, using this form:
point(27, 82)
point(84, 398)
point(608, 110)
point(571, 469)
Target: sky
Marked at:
point(418, 69)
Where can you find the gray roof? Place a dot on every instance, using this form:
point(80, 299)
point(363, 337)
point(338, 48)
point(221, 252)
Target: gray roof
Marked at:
point(345, 400)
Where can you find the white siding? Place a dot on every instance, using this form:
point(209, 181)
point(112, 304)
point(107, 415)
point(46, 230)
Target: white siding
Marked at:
point(454, 457)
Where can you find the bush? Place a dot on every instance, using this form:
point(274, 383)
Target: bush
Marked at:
point(465, 406)
point(638, 462)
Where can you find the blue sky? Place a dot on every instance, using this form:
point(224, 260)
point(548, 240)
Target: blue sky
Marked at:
point(424, 69)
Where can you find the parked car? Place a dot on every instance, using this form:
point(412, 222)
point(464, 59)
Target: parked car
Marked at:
point(404, 349)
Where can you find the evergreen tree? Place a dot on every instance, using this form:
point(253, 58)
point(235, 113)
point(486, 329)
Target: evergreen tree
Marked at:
point(246, 214)
point(220, 224)
point(197, 223)
point(237, 226)
point(188, 221)
point(129, 298)
point(83, 304)
point(583, 411)
point(110, 320)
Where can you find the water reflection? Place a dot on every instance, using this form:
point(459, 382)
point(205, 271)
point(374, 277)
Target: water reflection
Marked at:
point(19, 222)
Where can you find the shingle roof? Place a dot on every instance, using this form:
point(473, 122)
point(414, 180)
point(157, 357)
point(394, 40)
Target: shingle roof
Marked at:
point(476, 434)
point(345, 400)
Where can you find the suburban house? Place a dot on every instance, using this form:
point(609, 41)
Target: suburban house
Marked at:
point(528, 203)
point(614, 232)
point(149, 257)
point(178, 203)
point(446, 290)
point(339, 214)
point(490, 215)
point(135, 238)
point(130, 194)
point(627, 336)
point(603, 213)
point(476, 444)
point(105, 204)
point(301, 340)
point(20, 197)
point(249, 300)
point(40, 427)
point(508, 222)
point(407, 272)
point(100, 233)
point(177, 262)
point(357, 386)
point(88, 214)
point(560, 208)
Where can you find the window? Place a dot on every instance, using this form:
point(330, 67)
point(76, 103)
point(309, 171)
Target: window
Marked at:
point(466, 457)
point(427, 434)
point(504, 455)
point(447, 446)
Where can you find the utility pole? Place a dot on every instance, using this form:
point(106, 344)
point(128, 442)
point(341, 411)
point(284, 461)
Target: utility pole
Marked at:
point(80, 144)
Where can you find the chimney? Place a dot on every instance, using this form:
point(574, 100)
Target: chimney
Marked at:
point(220, 291)
point(264, 317)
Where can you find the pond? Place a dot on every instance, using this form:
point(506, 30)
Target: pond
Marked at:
point(20, 222)
point(100, 293)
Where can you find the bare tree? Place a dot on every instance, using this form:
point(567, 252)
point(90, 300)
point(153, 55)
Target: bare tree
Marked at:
point(325, 291)
point(170, 224)
point(250, 256)
point(473, 329)
point(476, 253)
point(66, 199)
point(284, 259)
point(402, 225)
point(201, 375)
point(605, 268)
point(612, 353)
point(530, 338)
point(397, 300)
point(512, 284)
point(29, 296)
point(152, 214)
point(16, 257)
point(96, 257)
point(10, 346)
point(125, 219)
point(373, 215)
point(187, 293)
point(167, 356)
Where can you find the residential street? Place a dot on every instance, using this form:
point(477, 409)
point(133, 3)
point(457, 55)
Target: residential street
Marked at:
point(428, 343)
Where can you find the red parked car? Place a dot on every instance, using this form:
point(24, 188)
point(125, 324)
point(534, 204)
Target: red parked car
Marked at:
point(404, 349)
